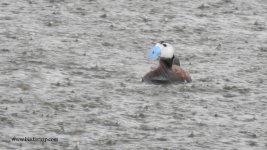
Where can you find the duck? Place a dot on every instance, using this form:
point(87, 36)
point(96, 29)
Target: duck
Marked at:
point(169, 69)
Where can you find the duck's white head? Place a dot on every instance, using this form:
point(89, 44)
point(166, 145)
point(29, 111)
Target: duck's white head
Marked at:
point(162, 50)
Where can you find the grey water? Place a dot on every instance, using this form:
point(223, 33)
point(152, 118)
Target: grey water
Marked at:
point(72, 70)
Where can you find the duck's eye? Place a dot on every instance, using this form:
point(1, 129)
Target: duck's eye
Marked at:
point(165, 45)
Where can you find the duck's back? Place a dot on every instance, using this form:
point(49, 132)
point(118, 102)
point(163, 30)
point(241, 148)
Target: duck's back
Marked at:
point(163, 75)
point(179, 74)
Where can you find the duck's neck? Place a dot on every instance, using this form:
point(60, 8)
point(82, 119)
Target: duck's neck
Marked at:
point(166, 62)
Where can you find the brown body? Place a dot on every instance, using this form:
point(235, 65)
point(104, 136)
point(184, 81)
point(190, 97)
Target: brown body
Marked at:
point(167, 72)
